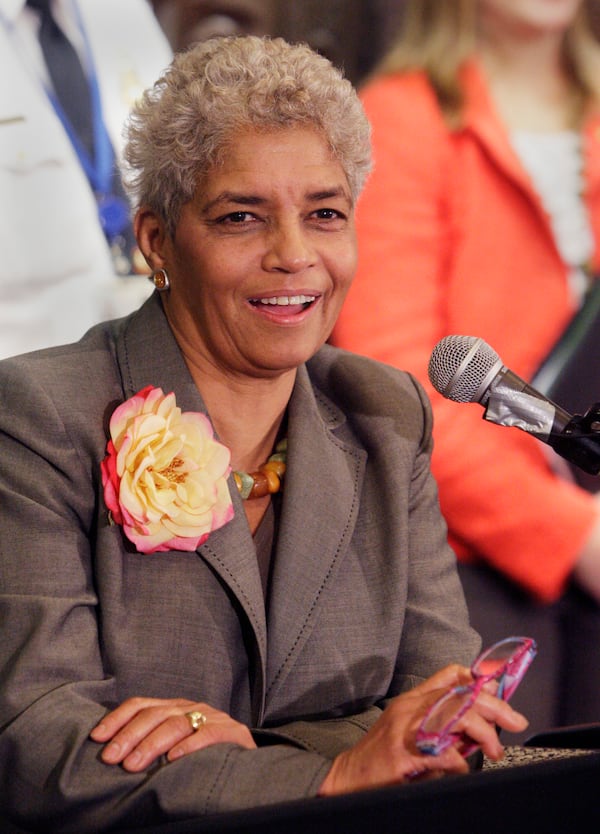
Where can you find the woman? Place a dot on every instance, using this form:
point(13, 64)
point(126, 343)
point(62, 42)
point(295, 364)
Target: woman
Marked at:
point(177, 641)
point(483, 218)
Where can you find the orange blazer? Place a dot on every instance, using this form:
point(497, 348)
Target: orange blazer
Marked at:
point(454, 239)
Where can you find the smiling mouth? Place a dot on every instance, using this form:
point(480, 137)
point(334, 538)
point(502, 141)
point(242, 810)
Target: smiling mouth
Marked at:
point(302, 301)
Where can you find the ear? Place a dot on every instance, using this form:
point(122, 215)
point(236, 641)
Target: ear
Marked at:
point(151, 236)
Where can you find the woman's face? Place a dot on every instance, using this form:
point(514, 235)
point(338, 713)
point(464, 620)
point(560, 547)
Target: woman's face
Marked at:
point(528, 16)
point(263, 256)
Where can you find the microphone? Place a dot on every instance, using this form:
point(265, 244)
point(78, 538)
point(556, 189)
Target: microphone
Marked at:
point(467, 369)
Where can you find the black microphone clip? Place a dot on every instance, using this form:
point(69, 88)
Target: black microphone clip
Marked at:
point(579, 441)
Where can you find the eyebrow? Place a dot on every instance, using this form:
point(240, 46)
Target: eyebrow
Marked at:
point(328, 194)
point(242, 199)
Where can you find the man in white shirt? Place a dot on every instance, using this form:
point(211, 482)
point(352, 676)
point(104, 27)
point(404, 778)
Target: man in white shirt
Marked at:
point(59, 273)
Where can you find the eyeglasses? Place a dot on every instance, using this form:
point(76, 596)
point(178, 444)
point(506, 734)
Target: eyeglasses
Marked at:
point(506, 663)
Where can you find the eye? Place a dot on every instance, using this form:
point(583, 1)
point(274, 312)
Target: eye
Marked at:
point(329, 214)
point(329, 219)
point(236, 217)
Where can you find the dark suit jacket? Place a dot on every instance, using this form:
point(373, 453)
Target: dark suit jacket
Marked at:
point(364, 596)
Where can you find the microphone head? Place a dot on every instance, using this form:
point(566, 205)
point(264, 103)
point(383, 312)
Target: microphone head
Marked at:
point(460, 366)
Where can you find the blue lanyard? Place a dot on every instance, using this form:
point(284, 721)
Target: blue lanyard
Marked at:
point(99, 170)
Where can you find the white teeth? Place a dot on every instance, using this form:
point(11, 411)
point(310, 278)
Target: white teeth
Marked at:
point(286, 300)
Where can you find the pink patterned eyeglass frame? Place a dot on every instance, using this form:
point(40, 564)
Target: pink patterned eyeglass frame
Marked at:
point(506, 662)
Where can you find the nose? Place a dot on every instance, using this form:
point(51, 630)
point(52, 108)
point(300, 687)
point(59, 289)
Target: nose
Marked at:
point(289, 249)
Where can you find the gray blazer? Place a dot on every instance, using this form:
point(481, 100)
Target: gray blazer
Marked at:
point(364, 600)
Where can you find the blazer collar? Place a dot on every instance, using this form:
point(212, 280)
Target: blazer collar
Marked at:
point(148, 354)
point(482, 119)
point(319, 507)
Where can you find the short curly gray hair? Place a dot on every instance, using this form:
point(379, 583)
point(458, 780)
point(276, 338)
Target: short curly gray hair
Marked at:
point(180, 127)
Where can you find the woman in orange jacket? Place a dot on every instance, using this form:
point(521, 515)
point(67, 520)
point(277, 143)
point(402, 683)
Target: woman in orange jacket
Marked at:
point(482, 217)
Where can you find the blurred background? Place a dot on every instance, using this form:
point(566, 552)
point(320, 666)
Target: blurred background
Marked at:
point(351, 33)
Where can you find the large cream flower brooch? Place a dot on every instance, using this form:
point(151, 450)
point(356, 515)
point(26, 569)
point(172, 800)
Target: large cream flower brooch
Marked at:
point(164, 474)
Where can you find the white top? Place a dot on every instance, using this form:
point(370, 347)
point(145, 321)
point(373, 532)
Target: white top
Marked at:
point(554, 163)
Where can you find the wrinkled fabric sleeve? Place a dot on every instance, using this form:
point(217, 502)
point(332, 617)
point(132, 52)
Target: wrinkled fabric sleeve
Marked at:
point(54, 684)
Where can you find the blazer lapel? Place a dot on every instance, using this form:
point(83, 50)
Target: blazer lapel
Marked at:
point(231, 553)
point(148, 354)
point(482, 120)
point(323, 480)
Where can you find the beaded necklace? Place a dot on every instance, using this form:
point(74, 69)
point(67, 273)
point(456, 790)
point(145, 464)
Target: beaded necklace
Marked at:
point(266, 480)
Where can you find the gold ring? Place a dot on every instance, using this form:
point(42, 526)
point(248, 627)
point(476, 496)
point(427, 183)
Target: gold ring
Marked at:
point(197, 720)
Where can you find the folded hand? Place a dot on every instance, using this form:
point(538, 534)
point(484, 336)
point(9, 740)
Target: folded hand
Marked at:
point(141, 730)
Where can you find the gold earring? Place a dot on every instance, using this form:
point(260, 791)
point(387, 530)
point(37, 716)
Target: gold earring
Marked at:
point(160, 280)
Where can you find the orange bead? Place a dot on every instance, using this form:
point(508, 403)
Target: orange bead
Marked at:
point(276, 466)
point(272, 478)
point(261, 485)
